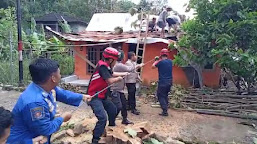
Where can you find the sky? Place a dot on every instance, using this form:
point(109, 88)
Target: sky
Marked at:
point(177, 5)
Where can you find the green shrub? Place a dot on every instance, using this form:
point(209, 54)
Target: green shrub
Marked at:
point(66, 63)
point(10, 74)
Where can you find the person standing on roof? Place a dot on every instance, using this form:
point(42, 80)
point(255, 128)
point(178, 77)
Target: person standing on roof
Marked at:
point(118, 96)
point(162, 20)
point(131, 81)
point(101, 103)
point(35, 111)
point(164, 66)
point(173, 21)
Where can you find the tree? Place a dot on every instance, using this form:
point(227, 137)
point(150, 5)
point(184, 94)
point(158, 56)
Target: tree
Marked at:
point(225, 32)
point(122, 5)
point(7, 27)
point(153, 6)
point(83, 9)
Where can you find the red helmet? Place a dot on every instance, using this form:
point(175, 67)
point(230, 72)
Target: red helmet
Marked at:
point(165, 52)
point(111, 53)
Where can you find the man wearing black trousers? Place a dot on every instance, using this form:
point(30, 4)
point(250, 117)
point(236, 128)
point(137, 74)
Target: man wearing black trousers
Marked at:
point(164, 66)
point(131, 81)
point(118, 96)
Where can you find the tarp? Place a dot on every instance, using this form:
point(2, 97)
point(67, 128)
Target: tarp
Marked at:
point(109, 21)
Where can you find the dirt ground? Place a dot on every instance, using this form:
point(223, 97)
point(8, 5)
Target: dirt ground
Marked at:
point(180, 124)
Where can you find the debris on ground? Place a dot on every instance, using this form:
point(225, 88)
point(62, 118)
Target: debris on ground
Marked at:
point(70, 133)
point(249, 123)
point(207, 101)
point(70, 87)
point(79, 129)
point(134, 134)
point(12, 88)
point(59, 135)
point(223, 103)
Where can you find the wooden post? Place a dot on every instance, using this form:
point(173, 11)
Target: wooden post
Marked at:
point(20, 43)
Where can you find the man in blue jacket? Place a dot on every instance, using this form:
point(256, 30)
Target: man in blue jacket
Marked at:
point(6, 120)
point(34, 112)
point(164, 66)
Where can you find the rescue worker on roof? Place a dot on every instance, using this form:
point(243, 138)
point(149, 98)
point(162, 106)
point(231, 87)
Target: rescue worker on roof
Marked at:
point(100, 104)
point(6, 120)
point(118, 96)
point(164, 66)
point(161, 22)
point(173, 22)
point(152, 25)
point(34, 112)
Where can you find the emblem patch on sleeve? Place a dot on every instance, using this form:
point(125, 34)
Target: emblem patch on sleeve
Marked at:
point(37, 113)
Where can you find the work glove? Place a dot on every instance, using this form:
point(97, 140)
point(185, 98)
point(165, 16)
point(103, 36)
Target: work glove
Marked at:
point(156, 58)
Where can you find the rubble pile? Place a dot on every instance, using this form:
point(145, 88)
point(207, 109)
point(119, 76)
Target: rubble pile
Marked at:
point(70, 87)
point(131, 134)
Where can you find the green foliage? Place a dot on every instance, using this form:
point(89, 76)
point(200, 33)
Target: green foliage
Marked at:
point(152, 88)
point(10, 73)
point(145, 5)
point(34, 43)
point(122, 6)
point(132, 11)
point(118, 30)
point(33, 25)
point(177, 95)
point(7, 27)
point(152, 141)
point(66, 127)
point(83, 9)
point(225, 32)
point(255, 140)
point(65, 26)
point(131, 132)
point(66, 63)
point(58, 45)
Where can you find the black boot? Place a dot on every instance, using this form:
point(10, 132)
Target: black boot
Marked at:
point(164, 113)
point(135, 112)
point(126, 122)
point(128, 108)
point(95, 141)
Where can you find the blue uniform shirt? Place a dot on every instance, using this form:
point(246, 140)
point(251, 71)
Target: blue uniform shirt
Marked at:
point(34, 113)
point(165, 71)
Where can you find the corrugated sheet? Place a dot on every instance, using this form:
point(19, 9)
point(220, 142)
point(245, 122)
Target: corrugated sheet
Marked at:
point(110, 37)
